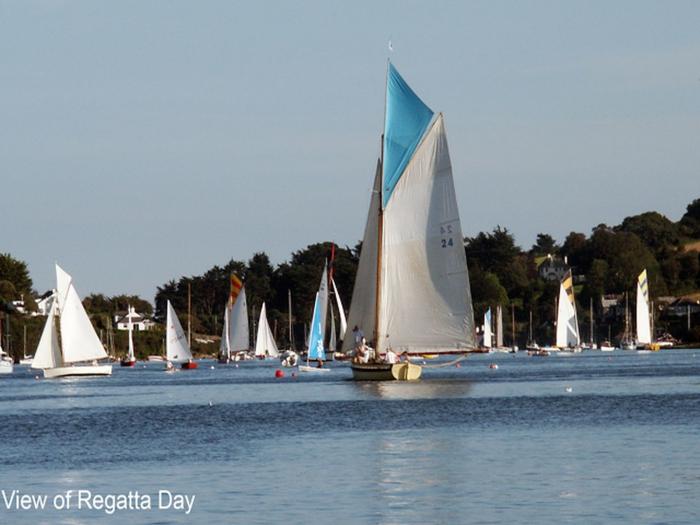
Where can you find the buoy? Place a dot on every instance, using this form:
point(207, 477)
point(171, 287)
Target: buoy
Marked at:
point(493, 366)
point(210, 403)
point(569, 389)
point(212, 367)
point(236, 365)
point(36, 377)
point(279, 373)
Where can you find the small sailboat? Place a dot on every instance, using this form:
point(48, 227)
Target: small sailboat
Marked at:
point(80, 347)
point(130, 358)
point(412, 288)
point(644, 335)
point(316, 351)
point(486, 331)
point(627, 342)
point(265, 345)
point(235, 337)
point(177, 350)
point(568, 338)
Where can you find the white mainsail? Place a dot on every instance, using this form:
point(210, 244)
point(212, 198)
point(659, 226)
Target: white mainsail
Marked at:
point(487, 329)
point(363, 302)
point(176, 348)
point(643, 321)
point(425, 294)
point(239, 335)
point(499, 326)
point(323, 298)
point(341, 312)
point(567, 321)
point(130, 325)
point(48, 353)
point(79, 340)
point(332, 342)
point(265, 343)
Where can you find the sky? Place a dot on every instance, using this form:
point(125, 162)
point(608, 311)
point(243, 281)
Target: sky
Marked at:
point(143, 141)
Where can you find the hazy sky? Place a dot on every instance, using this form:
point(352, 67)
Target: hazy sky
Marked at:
point(142, 141)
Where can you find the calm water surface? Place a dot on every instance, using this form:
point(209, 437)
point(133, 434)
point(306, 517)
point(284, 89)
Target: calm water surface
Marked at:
point(467, 444)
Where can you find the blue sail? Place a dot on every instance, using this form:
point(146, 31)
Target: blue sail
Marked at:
point(316, 350)
point(406, 120)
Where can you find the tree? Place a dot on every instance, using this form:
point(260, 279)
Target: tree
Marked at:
point(545, 245)
point(15, 272)
point(654, 229)
point(690, 221)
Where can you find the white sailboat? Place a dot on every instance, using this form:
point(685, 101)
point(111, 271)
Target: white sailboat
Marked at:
point(235, 337)
point(643, 318)
point(412, 289)
point(80, 347)
point(568, 338)
point(131, 357)
point(177, 350)
point(316, 351)
point(486, 330)
point(265, 345)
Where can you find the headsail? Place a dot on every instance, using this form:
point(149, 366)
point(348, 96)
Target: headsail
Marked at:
point(176, 348)
point(48, 353)
point(643, 321)
point(567, 321)
point(225, 345)
point(341, 312)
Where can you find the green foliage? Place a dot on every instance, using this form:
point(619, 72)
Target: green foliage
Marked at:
point(545, 245)
point(657, 232)
point(690, 222)
point(15, 272)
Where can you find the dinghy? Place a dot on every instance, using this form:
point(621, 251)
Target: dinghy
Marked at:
point(265, 345)
point(412, 287)
point(316, 351)
point(177, 351)
point(235, 337)
point(80, 347)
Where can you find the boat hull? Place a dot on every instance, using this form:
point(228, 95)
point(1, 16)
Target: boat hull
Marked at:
point(307, 368)
point(6, 367)
point(190, 365)
point(75, 371)
point(128, 363)
point(386, 372)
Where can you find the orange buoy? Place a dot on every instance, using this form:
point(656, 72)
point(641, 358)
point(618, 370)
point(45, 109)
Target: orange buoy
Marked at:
point(279, 373)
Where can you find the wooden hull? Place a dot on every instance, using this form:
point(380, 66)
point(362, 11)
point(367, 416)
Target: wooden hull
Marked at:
point(78, 371)
point(386, 372)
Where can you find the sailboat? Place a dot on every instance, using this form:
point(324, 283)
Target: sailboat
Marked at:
point(177, 350)
point(568, 338)
point(487, 336)
point(316, 351)
point(644, 338)
point(412, 288)
point(627, 342)
point(499, 332)
point(264, 342)
point(130, 358)
point(80, 347)
point(235, 337)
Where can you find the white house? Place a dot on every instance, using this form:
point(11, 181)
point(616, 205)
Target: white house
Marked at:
point(139, 322)
point(552, 269)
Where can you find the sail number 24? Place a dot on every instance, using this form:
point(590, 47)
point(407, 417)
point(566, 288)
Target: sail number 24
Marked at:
point(446, 229)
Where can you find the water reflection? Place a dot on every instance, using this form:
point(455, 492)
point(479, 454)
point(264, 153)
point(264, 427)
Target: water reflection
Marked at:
point(432, 389)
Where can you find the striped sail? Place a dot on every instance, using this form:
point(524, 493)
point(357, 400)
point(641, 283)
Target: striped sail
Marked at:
point(567, 321)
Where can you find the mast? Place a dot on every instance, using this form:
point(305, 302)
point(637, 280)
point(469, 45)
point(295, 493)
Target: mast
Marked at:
point(289, 305)
point(189, 314)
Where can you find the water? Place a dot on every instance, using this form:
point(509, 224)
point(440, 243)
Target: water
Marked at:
point(464, 445)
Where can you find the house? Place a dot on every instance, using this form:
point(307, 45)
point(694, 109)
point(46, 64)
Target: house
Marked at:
point(139, 322)
point(553, 269)
point(43, 304)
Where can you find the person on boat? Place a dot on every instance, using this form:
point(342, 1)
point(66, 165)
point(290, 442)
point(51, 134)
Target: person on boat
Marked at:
point(358, 336)
point(362, 353)
point(391, 357)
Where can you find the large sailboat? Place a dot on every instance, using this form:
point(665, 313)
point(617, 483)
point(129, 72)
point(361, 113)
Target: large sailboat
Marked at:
point(568, 338)
point(79, 349)
point(412, 288)
point(235, 337)
point(265, 345)
point(177, 350)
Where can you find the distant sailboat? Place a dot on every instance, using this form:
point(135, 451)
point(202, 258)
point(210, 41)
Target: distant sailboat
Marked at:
point(265, 345)
point(130, 358)
point(412, 288)
point(487, 342)
point(316, 351)
point(341, 312)
point(627, 342)
point(235, 337)
point(568, 337)
point(644, 339)
point(80, 347)
point(177, 350)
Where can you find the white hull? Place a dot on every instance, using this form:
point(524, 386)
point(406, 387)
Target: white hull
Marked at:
point(607, 348)
point(6, 367)
point(27, 361)
point(80, 370)
point(305, 368)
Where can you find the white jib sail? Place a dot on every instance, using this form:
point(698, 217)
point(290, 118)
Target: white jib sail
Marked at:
point(176, 348)
point(79, 340)
point(487, 329)
point(643, 321)
point(48, 353)
point(332, 339)
point(239, 334)
point(130, 326)
point(362, 305)
point(63, 281)
point(265, 343)
point(341, 312)
point(225, 346)
point(425, 295)
point(567, 324)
